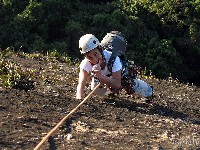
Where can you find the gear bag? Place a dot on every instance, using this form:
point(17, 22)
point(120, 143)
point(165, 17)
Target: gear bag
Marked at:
point(116, 43)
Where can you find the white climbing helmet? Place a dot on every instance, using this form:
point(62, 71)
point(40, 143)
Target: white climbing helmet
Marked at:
point(87, 43)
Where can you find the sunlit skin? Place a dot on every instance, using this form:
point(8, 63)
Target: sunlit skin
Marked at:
point(95, 57)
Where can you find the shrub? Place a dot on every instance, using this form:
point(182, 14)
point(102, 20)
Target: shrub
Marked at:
point(163, 59)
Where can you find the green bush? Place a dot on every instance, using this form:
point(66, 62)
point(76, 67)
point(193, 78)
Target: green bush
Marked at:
point(162, 28)
point(163, 59)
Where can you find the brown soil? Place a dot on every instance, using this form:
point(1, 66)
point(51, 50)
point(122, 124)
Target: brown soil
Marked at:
point(170, 121)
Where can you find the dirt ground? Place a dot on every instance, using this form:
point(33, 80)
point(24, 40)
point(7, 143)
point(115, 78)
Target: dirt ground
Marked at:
point(29, 112)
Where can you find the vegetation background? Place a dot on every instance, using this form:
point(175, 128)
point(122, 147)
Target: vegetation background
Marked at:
point(162, 35)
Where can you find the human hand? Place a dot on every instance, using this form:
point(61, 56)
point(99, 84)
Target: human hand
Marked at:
point(96, 69)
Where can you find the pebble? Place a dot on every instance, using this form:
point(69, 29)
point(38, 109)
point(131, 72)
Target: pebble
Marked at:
point(1, 89)
point(69, 136)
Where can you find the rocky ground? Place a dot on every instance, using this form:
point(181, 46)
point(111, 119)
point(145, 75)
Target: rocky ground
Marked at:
point(32, 108)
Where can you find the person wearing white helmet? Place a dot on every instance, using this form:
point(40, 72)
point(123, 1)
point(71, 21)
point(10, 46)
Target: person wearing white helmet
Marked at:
point(95, 62)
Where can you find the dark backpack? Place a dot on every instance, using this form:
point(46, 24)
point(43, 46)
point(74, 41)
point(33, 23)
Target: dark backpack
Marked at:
point(116, 43)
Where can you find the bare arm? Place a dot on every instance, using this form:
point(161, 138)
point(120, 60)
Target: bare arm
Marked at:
point(114, 81)
point(83, 75)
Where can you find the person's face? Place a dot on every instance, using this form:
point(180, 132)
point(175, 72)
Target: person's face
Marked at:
point(94, 56)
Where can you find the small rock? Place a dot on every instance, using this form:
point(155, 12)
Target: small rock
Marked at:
point(69, 136)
